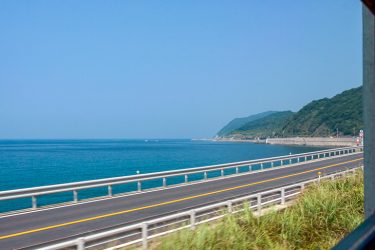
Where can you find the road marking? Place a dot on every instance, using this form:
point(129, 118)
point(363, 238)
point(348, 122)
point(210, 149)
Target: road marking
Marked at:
point(169, 202)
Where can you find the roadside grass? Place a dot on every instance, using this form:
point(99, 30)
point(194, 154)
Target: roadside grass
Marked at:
point(322, 216)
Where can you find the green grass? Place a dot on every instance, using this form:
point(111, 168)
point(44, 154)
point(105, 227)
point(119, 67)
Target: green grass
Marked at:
point(322, 216)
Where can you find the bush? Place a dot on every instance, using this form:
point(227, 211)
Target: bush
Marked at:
point(322, 216)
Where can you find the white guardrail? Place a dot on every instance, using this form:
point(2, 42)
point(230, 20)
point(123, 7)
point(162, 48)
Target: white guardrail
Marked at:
point(237, 168)
point(140, 234)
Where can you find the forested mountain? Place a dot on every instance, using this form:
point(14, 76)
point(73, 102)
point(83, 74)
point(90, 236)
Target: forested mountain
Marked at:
point(264, 127)
point(324, 117)
point(239, 122)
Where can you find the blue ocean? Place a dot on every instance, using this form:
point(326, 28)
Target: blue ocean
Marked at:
point(29, 163)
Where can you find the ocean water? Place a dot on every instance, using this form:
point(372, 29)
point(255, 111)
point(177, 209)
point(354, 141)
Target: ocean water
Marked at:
point(29, 163)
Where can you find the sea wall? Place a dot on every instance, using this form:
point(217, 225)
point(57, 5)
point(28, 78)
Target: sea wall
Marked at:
point(314, 141)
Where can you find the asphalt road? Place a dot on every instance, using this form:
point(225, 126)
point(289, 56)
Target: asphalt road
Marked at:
point(26, 231)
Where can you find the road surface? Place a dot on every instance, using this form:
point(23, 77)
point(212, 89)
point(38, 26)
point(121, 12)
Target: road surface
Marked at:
point(33, 229)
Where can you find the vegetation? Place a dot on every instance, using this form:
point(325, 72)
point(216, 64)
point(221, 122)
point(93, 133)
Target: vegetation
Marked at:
point(322, 216)
point(264, 127)
point(239, 122)
point(325, 117)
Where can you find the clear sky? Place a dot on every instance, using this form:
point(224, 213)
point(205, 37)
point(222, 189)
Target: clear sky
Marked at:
point(168, 69)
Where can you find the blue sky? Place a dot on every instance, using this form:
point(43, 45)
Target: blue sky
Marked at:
point(168, 69)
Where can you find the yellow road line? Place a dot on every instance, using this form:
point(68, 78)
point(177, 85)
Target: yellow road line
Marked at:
point(169, 202)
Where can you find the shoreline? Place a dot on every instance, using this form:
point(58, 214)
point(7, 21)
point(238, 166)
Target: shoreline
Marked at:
point(299, 141)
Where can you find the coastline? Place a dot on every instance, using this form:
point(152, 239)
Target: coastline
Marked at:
point(299, 141)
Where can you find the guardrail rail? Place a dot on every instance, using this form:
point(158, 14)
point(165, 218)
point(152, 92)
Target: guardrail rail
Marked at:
point(236, 168)
point(141, 233)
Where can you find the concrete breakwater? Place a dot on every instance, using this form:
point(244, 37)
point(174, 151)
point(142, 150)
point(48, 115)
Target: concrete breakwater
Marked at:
point(314, 141)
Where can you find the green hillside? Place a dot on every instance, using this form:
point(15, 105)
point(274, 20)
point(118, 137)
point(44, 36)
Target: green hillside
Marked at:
point(239, 122)
point(323, 117)
point(264, 127)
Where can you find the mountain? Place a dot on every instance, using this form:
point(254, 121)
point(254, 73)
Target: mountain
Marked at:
point(324, 117)
point(239, 122)
point(264, 127)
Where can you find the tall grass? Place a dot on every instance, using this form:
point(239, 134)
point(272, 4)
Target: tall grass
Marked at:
point(323, 215)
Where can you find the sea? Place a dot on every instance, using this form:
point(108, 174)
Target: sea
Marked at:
point(31, 163)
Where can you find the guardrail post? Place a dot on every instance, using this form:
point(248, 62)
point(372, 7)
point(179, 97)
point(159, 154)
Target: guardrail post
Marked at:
point(259, 204)
point(34, 203)
point(282, 196)
point(305, 158)
point(250, 168)
point(222, 172)
point(164, 182)
point(205, 175)
point(192, 219)
point(290, 161)
point(297, 159)
point(237, 170)
point(186, 178)
point(80, 243)
point(139, 186)
point(319, 176)
point(144, 236)
point(230, 206)
point(261, 166)
point(75, 196)
point(281, 162)
point(110, 191)
point(271, 164)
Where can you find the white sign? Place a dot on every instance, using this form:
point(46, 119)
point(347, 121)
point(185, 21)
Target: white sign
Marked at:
point(361, 133)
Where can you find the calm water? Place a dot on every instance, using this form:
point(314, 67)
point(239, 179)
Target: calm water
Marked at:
point(41, 162)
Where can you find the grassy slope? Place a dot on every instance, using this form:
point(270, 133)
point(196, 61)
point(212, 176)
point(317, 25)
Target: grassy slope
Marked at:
point(320, 218)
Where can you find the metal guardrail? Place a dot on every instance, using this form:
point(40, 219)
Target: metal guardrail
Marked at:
point(238, 167)
point(142, 233)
